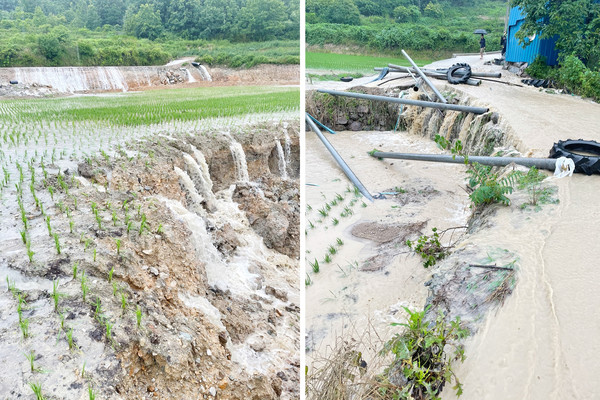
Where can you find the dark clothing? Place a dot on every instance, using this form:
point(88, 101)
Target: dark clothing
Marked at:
point(503, 44)
point(482, 43)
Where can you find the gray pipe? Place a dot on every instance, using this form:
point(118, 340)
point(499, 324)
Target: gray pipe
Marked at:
point(339, 159)
point(433, 74)
point(429, 72)
point(418, 103)
point(427, 81)
point(540, 163)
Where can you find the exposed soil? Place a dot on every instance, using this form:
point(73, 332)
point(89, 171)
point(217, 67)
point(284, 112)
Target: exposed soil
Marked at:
point(217, 290)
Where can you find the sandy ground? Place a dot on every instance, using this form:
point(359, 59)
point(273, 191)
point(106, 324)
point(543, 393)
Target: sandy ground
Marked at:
point(541, 343)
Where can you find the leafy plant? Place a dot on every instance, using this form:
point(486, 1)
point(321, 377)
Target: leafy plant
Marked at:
point(532, 182)
point(31, 358)
point(487, 187)
point(421, 355)
point(429, 248)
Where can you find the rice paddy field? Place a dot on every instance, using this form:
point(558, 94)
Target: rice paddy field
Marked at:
point(133, 250)
point(354, 63)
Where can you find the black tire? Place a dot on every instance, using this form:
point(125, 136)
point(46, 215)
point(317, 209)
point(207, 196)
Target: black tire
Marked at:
point(346, 79)
point(462, 71)
point(586, 164)
point(538, 82)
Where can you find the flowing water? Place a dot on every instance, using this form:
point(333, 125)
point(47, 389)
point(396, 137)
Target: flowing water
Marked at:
point(85, 79)
point(191, 79)
point(281, 161)
point(239, 158)
point(204, 72)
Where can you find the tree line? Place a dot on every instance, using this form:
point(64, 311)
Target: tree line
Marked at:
point(236, 20)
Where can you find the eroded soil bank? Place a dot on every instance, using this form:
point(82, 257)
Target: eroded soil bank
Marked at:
point(539, 341)
point(177, 275)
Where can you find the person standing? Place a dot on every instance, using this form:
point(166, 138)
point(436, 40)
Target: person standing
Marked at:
point(481, 46)
point(503, 44)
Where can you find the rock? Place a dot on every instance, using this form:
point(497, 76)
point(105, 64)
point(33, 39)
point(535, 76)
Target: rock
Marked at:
point(153, 271)
point(257, 344)
point(212, 391)
point(362, 109)
point(147, 252)
point(281, 375)
point(185, 336)
point(85, 170)
point(341, 120)
point(208, 352)
point(355, 126)
point(280, 294)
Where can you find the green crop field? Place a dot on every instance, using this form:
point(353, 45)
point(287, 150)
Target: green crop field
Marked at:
point(345, 62)
point(152, 107)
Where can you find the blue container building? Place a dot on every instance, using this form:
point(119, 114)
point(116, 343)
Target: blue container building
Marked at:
point(537, 47)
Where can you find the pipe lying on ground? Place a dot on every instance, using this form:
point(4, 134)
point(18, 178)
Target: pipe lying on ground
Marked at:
point(434, 74)
point(339, 159)
point(418, 103)
point(540, 163)
point(425, 79)
point(429, 72)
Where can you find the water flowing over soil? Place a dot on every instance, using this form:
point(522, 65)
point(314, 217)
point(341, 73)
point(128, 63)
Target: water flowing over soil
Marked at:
point(45, 81)
point(176, 279)
point(537, 342)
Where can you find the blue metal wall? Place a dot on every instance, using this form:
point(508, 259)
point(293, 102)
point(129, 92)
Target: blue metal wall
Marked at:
point(516, 53)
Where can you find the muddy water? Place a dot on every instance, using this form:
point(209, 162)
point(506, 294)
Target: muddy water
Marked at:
point(541, 343)
point(343, 298)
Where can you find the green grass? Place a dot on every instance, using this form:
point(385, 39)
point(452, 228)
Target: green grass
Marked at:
point(355, 63)
point(154, 107)
point(249, 54)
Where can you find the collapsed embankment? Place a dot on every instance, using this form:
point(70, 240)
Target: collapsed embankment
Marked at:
point(176, 275)
point(496, 248)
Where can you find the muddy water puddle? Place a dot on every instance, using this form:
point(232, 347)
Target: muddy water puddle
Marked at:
point(371, 274)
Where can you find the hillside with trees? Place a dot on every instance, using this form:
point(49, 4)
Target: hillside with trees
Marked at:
point(424, 26)
point(140, 32)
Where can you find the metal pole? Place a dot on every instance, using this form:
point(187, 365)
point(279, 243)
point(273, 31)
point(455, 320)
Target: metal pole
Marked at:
point(427, 81)
point(540, 163)
point(339, 159)
point(418, 103)
point(436, 75)
point(429, 72)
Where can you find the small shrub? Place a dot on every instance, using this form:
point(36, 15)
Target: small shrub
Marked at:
point(421, 356)
point(429, 248)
